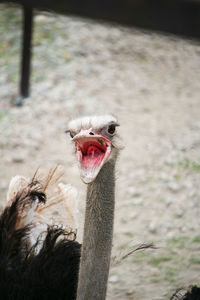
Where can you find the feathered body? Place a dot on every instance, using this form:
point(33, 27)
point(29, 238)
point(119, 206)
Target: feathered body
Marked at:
point(27, 273)
point(192, 294)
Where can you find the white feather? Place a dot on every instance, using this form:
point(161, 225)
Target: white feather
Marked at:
point(95, 122)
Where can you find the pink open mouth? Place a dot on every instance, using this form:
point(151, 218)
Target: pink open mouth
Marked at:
point(92, 153)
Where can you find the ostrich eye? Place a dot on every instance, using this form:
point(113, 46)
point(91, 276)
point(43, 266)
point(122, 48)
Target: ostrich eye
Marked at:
point(111, 129)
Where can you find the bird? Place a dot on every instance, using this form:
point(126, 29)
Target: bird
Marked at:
point(97, 147)
point(40, 260)
point(43, 261)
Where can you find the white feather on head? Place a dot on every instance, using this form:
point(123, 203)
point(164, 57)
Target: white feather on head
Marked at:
point(96, 122)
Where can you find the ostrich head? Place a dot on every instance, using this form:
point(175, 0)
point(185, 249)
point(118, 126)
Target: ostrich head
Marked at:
point(96, 143)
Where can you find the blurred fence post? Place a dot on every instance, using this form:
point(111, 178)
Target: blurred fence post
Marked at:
point(26, 54)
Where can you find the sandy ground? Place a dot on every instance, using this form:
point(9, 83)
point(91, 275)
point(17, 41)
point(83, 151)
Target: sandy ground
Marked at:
point(151, 83)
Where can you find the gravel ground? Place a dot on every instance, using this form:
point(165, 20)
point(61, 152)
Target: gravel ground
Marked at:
point(151, 83)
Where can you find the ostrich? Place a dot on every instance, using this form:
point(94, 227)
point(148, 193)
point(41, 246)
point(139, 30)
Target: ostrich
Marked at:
point(34, 265)
point(39, 261)
point(97, 148)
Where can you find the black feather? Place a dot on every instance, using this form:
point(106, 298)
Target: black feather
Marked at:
point(192, 294)
point(24, 275)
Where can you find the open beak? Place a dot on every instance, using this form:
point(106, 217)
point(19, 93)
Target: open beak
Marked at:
point(92, 151)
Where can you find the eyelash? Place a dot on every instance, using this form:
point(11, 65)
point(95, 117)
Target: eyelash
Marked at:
point(72, 135)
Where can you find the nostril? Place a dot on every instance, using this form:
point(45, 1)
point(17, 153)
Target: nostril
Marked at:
point(91, 133)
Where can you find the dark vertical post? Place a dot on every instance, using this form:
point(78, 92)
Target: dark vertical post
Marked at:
point(26, 52)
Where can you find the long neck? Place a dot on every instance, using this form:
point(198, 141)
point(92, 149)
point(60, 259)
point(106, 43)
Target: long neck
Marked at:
point(97, 239)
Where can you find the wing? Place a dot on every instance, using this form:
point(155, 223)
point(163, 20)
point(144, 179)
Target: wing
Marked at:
point(60, 208)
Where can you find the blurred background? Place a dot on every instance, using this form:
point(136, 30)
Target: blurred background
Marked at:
point(150, 81)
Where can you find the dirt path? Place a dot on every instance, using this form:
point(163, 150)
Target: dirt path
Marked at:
point(151, 82)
